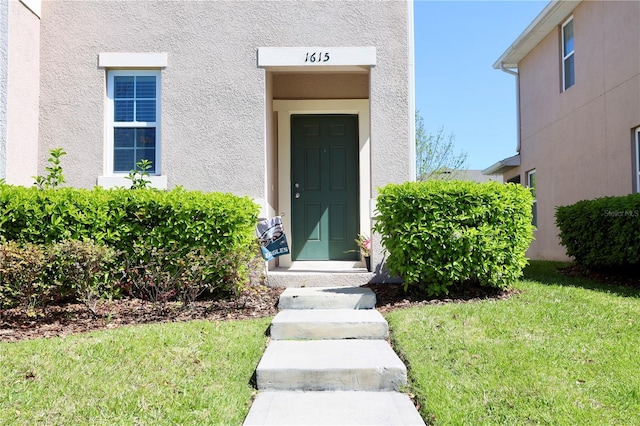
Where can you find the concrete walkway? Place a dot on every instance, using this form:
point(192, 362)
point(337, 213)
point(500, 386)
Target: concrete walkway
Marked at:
point(328, 363)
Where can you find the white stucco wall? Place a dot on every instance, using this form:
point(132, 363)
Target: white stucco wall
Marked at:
point(214, 114)
point(22, 94)
point(4, 60)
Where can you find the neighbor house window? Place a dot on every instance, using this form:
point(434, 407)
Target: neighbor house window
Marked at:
point(134, 120)
point(568, 64)
point(531, 183)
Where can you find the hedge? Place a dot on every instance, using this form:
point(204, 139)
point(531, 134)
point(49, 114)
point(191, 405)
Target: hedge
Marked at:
point(220, 222)
point(444, 233)
point(602, 233)
point(146, 229)
point(32, 275)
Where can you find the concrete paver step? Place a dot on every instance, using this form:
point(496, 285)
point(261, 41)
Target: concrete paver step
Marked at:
point(332, 408)
point(329, 324)
point(327, 298)
point(324, 365)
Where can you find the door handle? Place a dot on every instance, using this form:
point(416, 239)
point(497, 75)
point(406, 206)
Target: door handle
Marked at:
point(297, 195)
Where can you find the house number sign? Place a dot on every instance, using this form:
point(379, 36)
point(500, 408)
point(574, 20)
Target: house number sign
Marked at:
point(316, 56)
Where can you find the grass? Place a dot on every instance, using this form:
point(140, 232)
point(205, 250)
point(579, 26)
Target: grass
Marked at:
point(179, 373)
point(563, 351)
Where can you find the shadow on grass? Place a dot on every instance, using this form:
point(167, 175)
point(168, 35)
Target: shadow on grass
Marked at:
point(253, 381)
point(567, 274)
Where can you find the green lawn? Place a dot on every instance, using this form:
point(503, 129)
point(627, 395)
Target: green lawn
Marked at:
point(563, 352)
point(194, 373)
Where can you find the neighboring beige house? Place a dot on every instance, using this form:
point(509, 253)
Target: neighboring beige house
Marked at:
point(19, 80)
point(577, 68)
point(306, 107)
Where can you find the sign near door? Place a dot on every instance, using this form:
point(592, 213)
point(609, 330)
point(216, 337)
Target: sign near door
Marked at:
point(273, 241)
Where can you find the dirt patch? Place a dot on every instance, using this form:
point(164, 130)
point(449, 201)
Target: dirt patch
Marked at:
point(64, 319)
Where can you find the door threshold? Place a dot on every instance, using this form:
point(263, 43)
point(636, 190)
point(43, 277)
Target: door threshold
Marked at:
point(335, 266)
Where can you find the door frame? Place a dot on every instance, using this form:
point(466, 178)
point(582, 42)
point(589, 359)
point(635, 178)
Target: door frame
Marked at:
point(285, 108)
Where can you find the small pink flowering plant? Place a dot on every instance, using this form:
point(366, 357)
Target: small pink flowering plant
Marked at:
point(364, 244)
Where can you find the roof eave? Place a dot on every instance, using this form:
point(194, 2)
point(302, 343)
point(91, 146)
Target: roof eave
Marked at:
point(502, 166)
point(548, 19)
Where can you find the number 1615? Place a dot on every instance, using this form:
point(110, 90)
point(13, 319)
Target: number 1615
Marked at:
point(316, 57)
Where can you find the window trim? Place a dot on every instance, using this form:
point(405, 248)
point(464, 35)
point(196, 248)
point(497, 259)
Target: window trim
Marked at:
point(534, 204)
point(133, 60)
point(110, 123)
point(566, 56)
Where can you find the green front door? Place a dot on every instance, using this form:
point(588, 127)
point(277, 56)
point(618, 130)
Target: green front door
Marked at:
point(324, 192)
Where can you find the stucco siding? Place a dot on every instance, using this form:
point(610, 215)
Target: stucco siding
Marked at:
point(22, 97)
point(539, 79)
point(580, 140)
point(622, 38)
point(4, 60)
point(215, 118)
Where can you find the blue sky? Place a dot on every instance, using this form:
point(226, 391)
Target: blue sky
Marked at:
point(456, 44)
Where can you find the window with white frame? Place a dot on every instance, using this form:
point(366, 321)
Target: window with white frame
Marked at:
point(531, 183)
point(133, 120)
point(568, 64)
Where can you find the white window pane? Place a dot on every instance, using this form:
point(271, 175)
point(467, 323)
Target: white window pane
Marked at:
point(146, 87)
point(146, 137)
point(568, 46)
point(123, 87)
point(147, 154)
point(568, 38)
point(146, 111)
point(123, 111)
point(134, 103)
point(124, 137)
point(569, 72)
point(532, 184)
point(123, 160)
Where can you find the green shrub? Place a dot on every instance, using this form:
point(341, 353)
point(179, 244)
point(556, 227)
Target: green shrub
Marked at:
point(139, 176)
point(214, 230)
point(54, 176)
point(22, 276)
point(32, 276)
point(439, 234)
point(602, 233)
point(117, 217)
point(82, 270)
point(157, 275)
point(221, 223)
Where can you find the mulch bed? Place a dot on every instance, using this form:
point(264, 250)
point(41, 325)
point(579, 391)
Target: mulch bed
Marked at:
point(390, 297)
point(257, 302)
point(64, 319)
point(628, 278)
